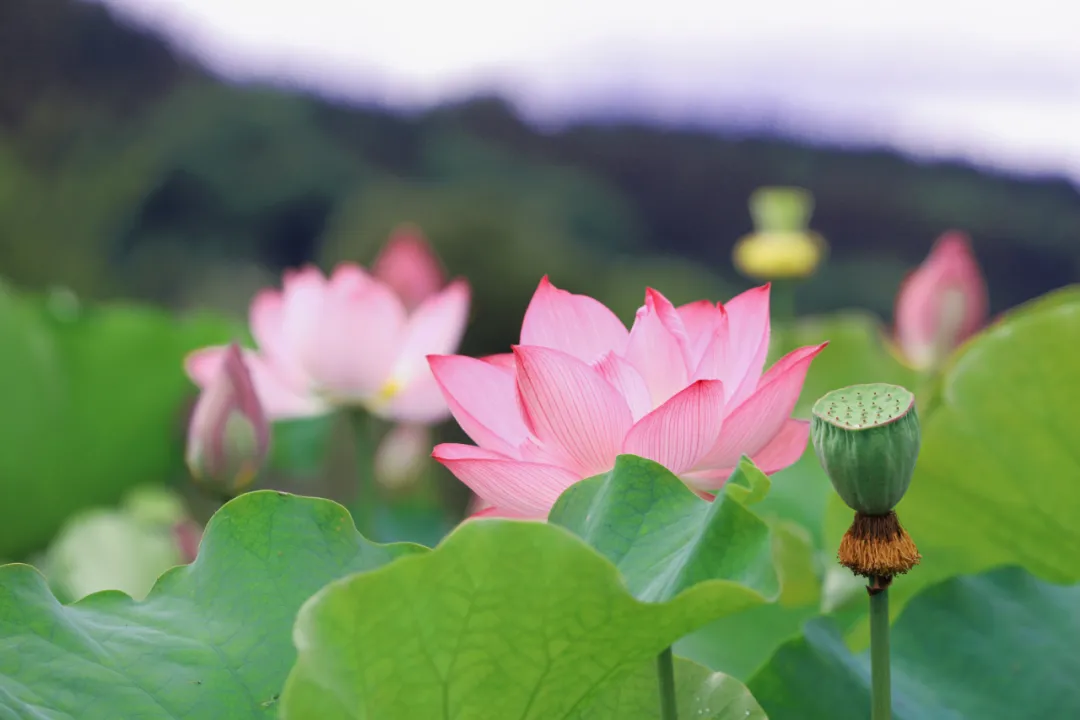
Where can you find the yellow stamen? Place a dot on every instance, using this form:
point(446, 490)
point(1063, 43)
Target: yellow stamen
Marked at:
point(383, 395)
point(388, 391)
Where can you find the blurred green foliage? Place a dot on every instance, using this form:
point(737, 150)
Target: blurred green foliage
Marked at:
point(126, 169)
point(124, 548)
point(94, 404)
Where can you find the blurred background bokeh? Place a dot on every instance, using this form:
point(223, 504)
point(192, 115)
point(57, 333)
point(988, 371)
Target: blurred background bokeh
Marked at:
point(185, 151)
point(182, 154)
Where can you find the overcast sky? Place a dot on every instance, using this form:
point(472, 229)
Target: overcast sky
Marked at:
point(993, 82)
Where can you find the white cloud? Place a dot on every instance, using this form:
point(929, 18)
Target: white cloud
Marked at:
point(998, 82)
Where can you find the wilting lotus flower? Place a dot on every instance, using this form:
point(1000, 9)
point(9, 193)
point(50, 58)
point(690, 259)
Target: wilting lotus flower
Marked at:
point(348, 341)
point(683, 387)
point(941, 304)
point(229, 436)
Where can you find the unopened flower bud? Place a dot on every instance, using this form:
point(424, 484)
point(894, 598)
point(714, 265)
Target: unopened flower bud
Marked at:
point(867, 439)
point(941, 304)
point(229, 435)
point(410, 267)
point(781, 246)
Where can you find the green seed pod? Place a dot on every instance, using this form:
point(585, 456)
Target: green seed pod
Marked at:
point(867, 440)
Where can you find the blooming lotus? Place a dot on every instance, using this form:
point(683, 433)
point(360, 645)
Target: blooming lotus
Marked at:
point(683, 387)
point(940, 304)
point(351, 339)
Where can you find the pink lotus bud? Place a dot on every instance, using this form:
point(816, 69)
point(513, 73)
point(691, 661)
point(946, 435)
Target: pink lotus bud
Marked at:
point(942, 303)
point(408, 265)
point(229, 435)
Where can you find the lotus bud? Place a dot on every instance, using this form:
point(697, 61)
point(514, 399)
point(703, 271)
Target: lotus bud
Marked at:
point(782, 246)
point(229, 435)
point(941, 304)
point(867, 439)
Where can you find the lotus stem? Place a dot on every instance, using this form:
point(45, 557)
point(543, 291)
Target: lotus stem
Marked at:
point(880, 682)
point(782, 302)
point(665, 671)
point(365, 504)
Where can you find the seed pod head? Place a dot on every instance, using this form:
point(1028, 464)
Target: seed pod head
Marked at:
point(781, 246)
point(867, 440)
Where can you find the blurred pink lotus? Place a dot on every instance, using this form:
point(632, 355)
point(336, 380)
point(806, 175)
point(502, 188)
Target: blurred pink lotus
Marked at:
point(350, 340)
point(409, 267)
point(941, 304)
point(683, 387)
point(229, 435)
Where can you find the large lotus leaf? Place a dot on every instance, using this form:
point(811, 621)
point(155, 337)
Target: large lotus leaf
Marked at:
point(996, 482)
point(741, 643)
point(701, 694)
point(212, 639)
point(505, 620)
point(996, 646)
point(664, 538)
point(94, 402)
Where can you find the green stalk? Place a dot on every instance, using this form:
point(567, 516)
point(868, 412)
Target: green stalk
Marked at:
point(782, 309)
point(880, 686)
point(367, 432)
point(665, 671)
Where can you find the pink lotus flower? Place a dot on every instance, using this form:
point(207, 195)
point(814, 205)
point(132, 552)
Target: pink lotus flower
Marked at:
point(409, 267)
point(683, 387)
point(229, 435)
point(349, 341)
point(940, 304)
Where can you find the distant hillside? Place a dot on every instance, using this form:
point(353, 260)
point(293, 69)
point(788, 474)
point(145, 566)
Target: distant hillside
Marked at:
point(69, 54)
point(125, 168)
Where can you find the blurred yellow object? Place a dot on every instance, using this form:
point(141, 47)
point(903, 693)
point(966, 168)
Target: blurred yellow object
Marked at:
point(775, 256)
point(781, 247)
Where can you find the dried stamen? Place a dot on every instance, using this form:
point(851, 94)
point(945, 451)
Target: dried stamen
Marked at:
point(876, 546)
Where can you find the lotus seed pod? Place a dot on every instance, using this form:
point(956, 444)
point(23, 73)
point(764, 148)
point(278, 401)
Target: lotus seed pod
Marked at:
point(781, 209)
point(867, 440)
point(781, 246)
